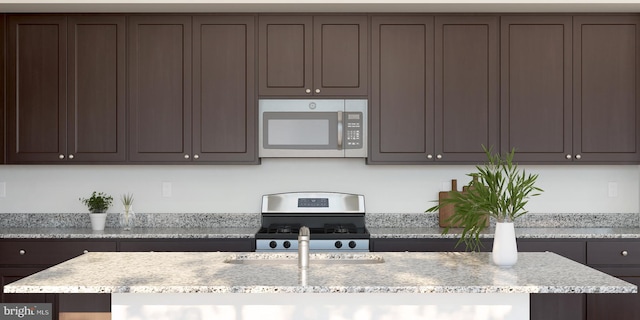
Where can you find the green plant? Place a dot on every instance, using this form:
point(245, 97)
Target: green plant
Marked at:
point(127, 200)
point(499, 189)
point(98, 202)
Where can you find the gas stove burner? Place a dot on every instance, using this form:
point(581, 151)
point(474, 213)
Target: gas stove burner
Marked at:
point(339, 228)
point(283, 228)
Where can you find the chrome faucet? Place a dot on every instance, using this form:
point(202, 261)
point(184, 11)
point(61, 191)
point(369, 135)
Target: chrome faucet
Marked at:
point(303, 247)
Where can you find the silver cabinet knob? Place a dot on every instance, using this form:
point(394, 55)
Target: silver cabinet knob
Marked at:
point(85, 251)
point(568, 156)
point(578, 156)
point(317, 90)
point(624, 253)
point(429, 156)
point(186, 156)
point(439, 156)
point(22, 252)
point(61, 156)
point(70, 156)
point(195, 156)
point(307, 91)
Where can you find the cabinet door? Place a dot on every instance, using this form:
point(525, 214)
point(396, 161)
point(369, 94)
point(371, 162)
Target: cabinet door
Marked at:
point(606, 89)
point(340, 55)
point(3, 106)
point(536, 87)
point(402, 111)
point(466, 87)
point(96, 99)
point(159, 61)
point(616, 306)
point(37, 79)
point(285, 55)
point(224, 103)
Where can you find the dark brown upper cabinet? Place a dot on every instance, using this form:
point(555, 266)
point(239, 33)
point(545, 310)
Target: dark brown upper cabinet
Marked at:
point(313, 55)
point(159, 59)
point(66, 89)
point(166, 125)
point(224, 97)
point(434, 89)
point(570, 88)
point(536, 87)
point(606, 89)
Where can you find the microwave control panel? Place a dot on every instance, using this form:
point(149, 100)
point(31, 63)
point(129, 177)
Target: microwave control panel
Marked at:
point(353, 131)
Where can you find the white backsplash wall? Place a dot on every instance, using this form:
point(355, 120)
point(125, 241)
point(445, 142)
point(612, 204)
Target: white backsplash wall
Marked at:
point(238, 189)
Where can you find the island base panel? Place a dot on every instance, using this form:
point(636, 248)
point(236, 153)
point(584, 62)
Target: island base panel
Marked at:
point(293, 306)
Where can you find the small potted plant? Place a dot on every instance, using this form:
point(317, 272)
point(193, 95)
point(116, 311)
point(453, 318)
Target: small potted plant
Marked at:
point(501, 191)
point(127, 216)
point(98, 204)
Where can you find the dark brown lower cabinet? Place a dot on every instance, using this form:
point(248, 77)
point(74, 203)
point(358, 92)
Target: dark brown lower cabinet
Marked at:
point(11, 274)
point(619, 258)
point(194, 245)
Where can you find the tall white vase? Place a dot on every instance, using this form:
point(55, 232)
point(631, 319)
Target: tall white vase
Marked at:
point(505, 249)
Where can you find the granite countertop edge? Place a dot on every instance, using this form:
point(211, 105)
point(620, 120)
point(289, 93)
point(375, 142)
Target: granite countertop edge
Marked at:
point(400, 273)
point(249, 233)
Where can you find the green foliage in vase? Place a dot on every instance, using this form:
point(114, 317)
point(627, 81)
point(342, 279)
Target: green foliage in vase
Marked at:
point(127, 199)
point(498, 190)
point(99, 202)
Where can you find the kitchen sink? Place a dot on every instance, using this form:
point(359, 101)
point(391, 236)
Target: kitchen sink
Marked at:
point(314, 258)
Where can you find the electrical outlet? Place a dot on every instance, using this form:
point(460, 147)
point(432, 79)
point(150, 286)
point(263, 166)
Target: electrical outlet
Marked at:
point(166, 189)
point(613, 189)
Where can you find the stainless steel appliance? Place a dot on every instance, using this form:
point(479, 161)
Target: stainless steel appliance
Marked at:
point(313, 128)
point(336, 222)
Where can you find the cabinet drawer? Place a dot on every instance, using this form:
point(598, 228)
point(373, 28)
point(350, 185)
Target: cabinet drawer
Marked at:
point(574, 250)
point(613, 252)
point(46, 252)
point(200, 245)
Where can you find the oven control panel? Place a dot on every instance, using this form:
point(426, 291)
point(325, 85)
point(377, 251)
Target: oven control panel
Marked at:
point(354, 245)
point(353, 130)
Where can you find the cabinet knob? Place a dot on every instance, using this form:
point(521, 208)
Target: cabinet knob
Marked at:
point(85, 251)
point(568, 156)
point(317, 90)
point(439, 156)
point(578, 156)
point(186, 156)
point(308, 91)
point(61, 156)
point(22, 252)
point(624, 253)
point(70, 156)
point(429, 156)
point(195, 156)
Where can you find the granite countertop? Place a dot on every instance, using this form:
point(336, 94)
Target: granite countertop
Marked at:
point(135, 233)
point(527, 233)
point(183, 272)
point(249, 232)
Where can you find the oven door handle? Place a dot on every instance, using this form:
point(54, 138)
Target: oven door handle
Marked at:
point(340, 130)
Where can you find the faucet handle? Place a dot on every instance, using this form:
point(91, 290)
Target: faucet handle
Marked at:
point(304, 231)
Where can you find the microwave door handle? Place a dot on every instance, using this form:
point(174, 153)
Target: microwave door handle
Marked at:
point(340, 130)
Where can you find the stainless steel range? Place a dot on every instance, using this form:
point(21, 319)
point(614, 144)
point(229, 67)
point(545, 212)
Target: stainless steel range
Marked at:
point(336, 221)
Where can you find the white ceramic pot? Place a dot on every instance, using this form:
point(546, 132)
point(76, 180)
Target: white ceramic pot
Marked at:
point(98, 221)
point(505, 249)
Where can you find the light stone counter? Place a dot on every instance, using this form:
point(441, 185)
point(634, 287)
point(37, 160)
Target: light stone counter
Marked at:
point(160, 272)
point(525, 233)
point(135, 233)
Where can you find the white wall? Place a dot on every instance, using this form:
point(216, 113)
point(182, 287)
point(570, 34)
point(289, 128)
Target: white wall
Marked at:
point(237, 189)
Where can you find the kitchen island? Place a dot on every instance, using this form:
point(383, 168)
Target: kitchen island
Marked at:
point(338, 286)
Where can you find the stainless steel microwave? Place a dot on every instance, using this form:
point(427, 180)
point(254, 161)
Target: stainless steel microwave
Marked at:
point(313, 128)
